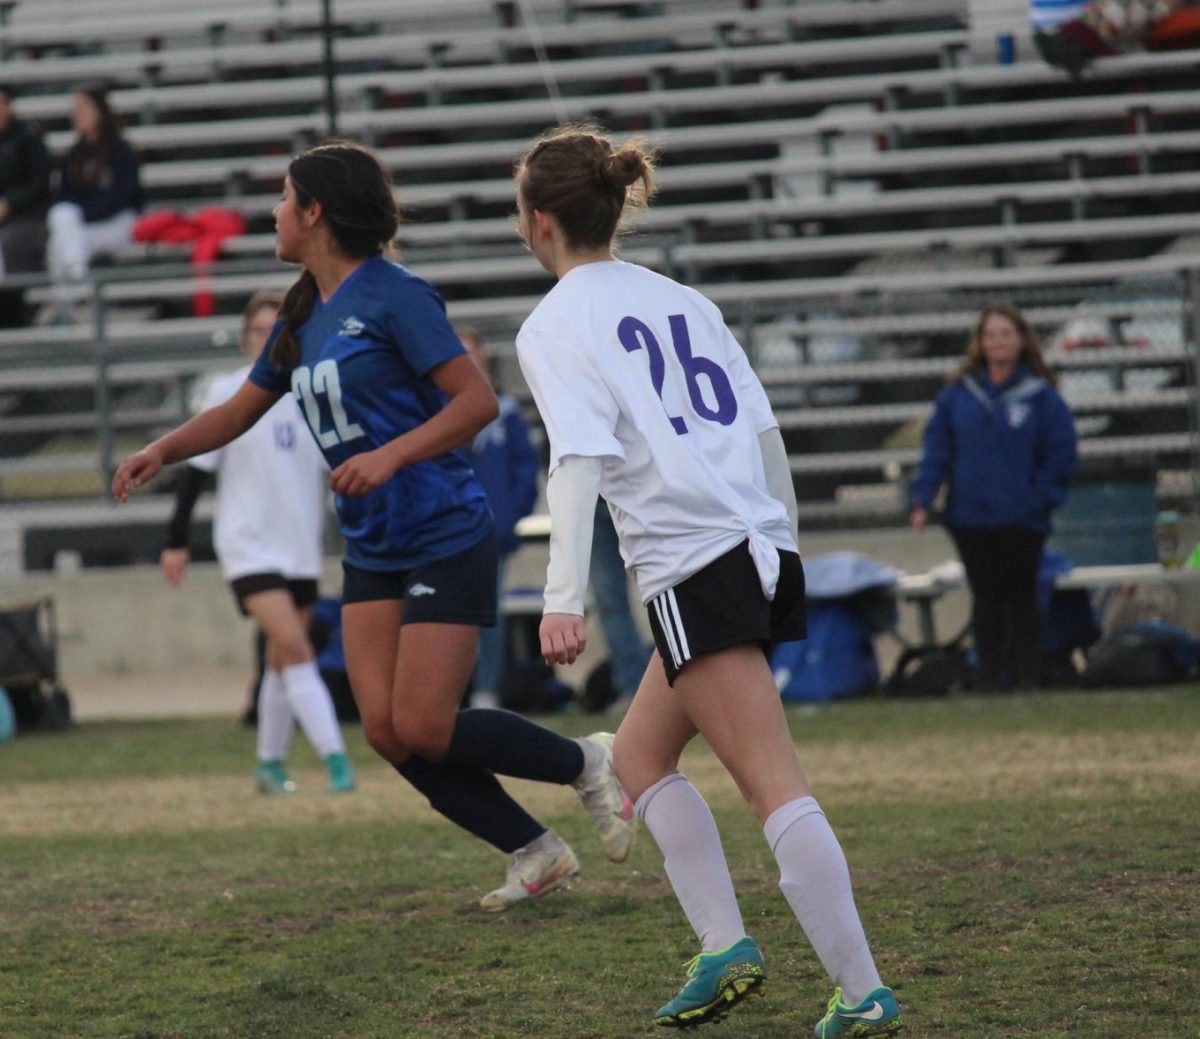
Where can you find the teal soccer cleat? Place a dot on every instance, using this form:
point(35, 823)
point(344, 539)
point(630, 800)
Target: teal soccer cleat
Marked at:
point(877, 1014)
point(717, 982)
point(272, 778)
point(341, 773)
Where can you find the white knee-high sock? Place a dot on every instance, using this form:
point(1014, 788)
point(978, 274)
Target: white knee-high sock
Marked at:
point(816, 882)
point(313, 707)
point(686, 833)
point(274, 718)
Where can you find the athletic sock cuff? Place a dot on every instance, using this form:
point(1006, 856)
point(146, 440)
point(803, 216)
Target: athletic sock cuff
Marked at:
point(648, 795)
point(785, 816)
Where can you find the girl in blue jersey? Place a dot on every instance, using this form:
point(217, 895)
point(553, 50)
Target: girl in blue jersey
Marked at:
point(390, 396)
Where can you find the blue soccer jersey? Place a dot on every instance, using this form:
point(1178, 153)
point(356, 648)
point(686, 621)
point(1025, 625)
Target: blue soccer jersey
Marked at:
point(361, 382)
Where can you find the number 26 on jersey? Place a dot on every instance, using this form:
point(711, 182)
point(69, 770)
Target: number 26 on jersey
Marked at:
point(636, 335)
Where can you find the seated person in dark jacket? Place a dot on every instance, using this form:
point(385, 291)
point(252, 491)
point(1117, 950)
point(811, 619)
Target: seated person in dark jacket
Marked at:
point(24, 193)
point(99, 192)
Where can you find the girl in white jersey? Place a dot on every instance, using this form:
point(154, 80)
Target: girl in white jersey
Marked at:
point(271, 490)
point(649, 401)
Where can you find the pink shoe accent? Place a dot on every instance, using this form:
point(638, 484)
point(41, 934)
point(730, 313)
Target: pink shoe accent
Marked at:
point(537, 886)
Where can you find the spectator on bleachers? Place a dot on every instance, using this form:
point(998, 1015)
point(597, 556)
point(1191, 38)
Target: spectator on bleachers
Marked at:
point(507, 468)
point(24, 194)
point(1003, 440)
point(99, 192)
point(1070, 34)
point(1047, 15)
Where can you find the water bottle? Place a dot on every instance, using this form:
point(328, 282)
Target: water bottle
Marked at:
point(1167, 541)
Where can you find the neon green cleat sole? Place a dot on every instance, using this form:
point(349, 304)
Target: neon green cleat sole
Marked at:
point(738, 990)
point(717, 982)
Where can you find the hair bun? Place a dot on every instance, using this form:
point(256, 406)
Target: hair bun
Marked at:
point(622, 167)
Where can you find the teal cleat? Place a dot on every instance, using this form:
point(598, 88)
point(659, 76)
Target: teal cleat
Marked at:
point(272, 778)
point(717, 982)
point(341, 773)
point(877, 1014)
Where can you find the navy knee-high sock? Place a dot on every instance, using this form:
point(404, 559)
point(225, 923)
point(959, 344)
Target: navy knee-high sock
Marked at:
point(511, 745)
point(473, 799)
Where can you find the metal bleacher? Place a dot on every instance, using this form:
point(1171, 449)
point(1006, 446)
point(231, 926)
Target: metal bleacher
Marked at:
point(848, 180)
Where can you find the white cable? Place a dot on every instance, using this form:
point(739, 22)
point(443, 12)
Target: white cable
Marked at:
point(543, 60)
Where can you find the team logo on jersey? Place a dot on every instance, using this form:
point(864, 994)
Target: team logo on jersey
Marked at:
point(419, 589)
point(1018, 412)
point(352, 327)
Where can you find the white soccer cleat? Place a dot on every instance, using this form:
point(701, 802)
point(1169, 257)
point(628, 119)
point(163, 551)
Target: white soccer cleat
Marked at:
point(533, 874)
point(607, 803)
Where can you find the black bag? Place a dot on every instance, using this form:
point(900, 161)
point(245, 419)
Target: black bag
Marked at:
point(29, 666)
point(530, 686)
point(1149, 653)
point(930, 671)
point(598, 690)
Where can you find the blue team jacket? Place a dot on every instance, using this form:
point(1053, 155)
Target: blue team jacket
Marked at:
point(1007, 451)
point(506, 466)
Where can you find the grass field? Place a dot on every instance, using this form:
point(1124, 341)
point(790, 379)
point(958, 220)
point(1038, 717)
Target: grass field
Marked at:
point(1024, 866)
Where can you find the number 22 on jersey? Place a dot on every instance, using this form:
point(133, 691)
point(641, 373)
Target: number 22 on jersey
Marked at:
point(636, 335)
point(324, 379)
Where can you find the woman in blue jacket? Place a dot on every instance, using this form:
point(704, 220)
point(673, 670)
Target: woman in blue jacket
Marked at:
point(1003, 440)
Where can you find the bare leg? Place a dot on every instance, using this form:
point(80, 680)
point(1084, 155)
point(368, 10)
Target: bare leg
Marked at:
point(285, 626)
point(371, 639)
point(646, 753)
point(653, 733)
point(433, 667)
point(732, 700)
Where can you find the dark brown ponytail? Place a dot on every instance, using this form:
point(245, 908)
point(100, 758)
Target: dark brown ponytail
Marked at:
point(293, 312)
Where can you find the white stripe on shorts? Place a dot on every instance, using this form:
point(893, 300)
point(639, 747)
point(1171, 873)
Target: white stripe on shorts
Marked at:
point(671, 622)
point(662, 623)
point(673, 604)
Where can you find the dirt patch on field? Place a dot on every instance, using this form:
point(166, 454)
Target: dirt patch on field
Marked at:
point(938, 766)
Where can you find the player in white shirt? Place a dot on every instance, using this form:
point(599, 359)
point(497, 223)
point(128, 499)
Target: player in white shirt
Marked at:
point(271, 489)
point(649, 401)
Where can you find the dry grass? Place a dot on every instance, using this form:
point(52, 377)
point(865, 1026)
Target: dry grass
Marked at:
point(1024, 867)
point(931, 767)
